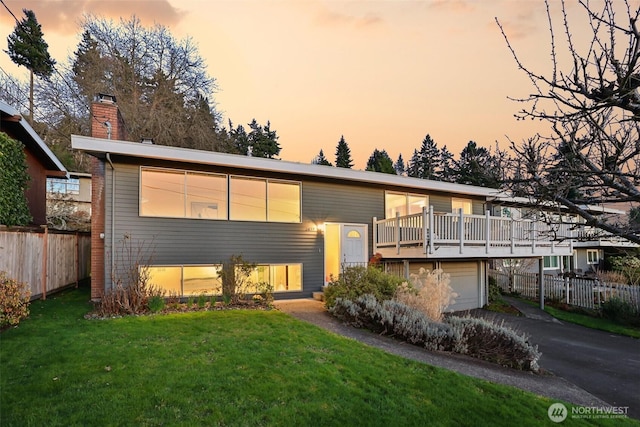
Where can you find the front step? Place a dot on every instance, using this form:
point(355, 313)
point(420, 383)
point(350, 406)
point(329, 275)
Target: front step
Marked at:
point(318, 296)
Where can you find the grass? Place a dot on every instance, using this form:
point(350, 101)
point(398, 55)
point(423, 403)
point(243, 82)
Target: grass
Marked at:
point(588, 321)
point(230, 368)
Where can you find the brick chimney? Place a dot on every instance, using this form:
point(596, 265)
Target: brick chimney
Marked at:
point(106, 122)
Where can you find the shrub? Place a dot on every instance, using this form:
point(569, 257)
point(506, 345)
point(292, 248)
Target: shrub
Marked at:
point(14, 301)
point(236, 279)
point(620, 311)
point(156, 303)
point(14, 181)
point(131, 279)
point(429, 293)
point(495, 343)
point(478, 338)
point(358, 281)
point(494, 290)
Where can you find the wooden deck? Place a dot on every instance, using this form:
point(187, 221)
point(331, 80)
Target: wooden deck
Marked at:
point(445, 235)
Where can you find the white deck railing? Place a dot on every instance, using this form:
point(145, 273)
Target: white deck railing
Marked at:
point(432, 231)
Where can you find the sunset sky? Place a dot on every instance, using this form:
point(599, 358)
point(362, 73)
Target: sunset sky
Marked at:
point(382, 73)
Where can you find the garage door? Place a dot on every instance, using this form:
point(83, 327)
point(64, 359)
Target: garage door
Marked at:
point(464, 281)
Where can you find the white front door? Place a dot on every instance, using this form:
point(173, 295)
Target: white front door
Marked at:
point(344, 245)
point(353, 244)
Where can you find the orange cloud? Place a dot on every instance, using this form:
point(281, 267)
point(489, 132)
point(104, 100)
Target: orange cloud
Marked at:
point(62, 16)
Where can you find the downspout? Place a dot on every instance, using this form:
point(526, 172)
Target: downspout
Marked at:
point(113, 210)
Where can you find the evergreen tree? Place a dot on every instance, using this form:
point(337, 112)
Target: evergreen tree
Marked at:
point(26, 47)
point(477, 167)
point(320, 159)
point(380, 161)
point(343, 154)
point(446, 172)
point(13, 182)
point(426, 163)
point(260, 141)
point(399, 165)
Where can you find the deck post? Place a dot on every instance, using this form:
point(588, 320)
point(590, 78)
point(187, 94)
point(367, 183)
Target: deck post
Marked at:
point(461, 231)
point(431, 230)
point(425, 229)
point(375, 234)
point(534, 237)
point(512, 237)
point(541, 281)
point(487, 231)
point(397, 232)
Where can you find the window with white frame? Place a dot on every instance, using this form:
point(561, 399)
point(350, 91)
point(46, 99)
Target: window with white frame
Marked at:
point(63, 186)
point(184, 280)
point(593, 256)
point(458, 204)
point(404, 203)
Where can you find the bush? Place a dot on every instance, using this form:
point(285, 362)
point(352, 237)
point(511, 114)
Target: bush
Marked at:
point(14, 301)
point(621, 312)
point(156, 303)
point(236, 279)
point(429, 293)
point(358, 281)
point(478, 338)
point(495, 294)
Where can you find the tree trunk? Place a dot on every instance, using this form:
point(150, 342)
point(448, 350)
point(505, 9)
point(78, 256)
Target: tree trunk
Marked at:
point(31, 97)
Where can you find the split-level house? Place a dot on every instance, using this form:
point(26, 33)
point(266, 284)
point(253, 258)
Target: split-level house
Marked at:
point(299, 223)
point(41, 162)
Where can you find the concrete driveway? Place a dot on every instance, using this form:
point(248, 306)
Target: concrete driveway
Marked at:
point(604, 364)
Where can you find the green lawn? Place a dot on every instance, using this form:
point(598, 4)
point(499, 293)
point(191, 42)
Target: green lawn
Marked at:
point(230, 368)
point(588, 321)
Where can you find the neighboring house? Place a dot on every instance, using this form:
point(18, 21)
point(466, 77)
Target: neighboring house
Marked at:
point(69, 202)
point(41, 162)
point(590, 245)
point(301, 223)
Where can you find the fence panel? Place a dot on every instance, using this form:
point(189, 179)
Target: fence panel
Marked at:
point(68, 258)
point(580, 292)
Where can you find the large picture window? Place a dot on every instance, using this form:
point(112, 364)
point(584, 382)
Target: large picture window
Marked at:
point(187, 280)
point(182, 194)
point(185, 194)
point(253, 199)
point(282, 277)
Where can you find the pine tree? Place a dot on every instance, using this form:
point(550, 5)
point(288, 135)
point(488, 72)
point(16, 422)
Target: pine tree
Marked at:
point(26, 47)
point(379, 161)
point(343, 154)
point(426, 163)
point(399, 165)
point(477, 167)
point(446, 166)
point(320, 159)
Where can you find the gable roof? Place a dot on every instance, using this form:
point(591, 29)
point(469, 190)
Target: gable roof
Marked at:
point(12, 122)
point(101, 147)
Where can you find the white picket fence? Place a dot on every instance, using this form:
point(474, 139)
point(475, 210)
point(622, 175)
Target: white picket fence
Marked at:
point(586, 293)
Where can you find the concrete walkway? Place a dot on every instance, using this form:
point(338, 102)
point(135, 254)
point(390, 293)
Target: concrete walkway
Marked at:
point(557, 341)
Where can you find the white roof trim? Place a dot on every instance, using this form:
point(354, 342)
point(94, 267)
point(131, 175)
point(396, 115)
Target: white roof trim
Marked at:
point(177, 154)
point(596, 209)
point(45, 148)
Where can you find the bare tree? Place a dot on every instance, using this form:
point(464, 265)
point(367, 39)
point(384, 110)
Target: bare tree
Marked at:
point(590, 98)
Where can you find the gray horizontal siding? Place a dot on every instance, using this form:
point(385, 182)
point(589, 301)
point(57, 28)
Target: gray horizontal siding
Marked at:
point(191, 241)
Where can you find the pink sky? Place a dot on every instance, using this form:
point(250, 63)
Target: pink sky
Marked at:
point(381, 73)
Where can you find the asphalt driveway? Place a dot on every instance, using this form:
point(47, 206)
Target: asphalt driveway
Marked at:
point(604, 364)
point(580, 365)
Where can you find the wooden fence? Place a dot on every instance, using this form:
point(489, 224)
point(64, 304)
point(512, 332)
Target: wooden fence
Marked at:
point(586, 293)
point(67, 260)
